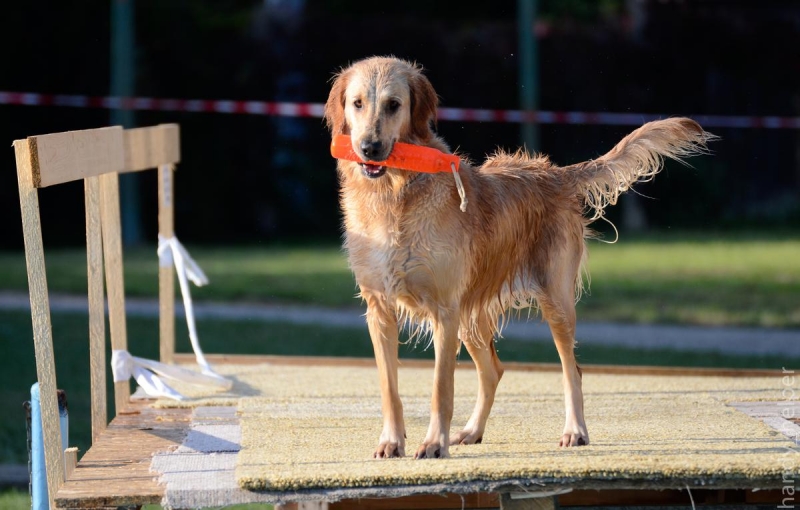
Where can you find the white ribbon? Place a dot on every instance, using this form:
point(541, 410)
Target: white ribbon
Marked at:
point(172, 251)
point(148, 374)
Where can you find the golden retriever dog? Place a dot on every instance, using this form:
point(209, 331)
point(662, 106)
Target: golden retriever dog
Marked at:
point(418, 259)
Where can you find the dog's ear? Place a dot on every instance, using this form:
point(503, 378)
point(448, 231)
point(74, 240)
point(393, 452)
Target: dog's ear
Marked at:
point(423, 105)
point(334, 107)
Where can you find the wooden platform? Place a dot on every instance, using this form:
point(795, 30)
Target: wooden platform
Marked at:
point(116, 470)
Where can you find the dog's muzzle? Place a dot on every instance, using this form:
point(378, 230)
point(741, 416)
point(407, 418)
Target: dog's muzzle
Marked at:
point(372, 170)
point(371, 154)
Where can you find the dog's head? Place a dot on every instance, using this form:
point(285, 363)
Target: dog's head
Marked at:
point(380, 101)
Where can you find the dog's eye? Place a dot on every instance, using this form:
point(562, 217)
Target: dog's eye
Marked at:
point(393, 106)
point(357, 104)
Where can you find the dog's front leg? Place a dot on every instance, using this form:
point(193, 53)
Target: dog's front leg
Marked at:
point(445, 344)
point(382, 323)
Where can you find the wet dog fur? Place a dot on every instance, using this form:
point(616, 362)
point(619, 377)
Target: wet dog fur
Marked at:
point(418, 259)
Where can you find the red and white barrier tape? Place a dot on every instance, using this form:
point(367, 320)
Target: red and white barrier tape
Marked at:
point(286, 109)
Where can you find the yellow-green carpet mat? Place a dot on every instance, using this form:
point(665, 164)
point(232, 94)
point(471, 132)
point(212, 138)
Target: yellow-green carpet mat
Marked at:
point(316, 428)
point(281, 381)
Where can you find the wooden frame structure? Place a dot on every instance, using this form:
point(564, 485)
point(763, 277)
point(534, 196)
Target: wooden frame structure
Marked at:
point(96, 156)
point(115, 470)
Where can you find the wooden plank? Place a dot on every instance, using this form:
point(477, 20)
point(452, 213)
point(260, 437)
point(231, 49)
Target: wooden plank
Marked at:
point(112, 254)
point(115, 472)
point(166, 314)
point(431, 501)
point(307, 505)
point(151, 147)
point(40, 316)
point(63, 157)
point(166, 274)
point(521, 501)
point(595, 498)
point(660, 498)
point(97, 323)
point(466, 364)
point(70, 461)
point(617, 498)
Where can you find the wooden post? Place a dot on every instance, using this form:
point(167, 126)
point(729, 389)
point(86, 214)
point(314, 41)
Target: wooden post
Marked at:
point(74, 155)
point(166, 273)
point(26, 155)
point(97, 322)
point(112, 252)
point(70, 461)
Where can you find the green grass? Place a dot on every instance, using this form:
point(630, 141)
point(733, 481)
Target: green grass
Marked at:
point(313, 275)
point(703, 282)
point(688, 279)
point(15, 499)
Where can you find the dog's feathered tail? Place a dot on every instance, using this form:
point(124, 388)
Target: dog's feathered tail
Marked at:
point(637, 158)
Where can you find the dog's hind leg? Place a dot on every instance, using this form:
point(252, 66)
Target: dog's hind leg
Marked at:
point(558, 307)
point(490, 370)
point(562, 325)
point(382, 323)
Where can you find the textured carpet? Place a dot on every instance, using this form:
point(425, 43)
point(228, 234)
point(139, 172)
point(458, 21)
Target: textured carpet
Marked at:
point(316, 427)
point(282, 381)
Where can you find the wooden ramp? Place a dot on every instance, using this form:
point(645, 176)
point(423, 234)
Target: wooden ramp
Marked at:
point(124, 465)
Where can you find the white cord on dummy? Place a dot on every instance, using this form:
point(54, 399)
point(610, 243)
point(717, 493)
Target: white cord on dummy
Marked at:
point(460, 188)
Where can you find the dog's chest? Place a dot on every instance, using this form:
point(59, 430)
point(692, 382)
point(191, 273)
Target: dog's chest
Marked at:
point(376, 244)
point(405, 258)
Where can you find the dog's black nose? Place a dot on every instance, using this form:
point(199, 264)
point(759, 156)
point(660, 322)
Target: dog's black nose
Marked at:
point(371, 149)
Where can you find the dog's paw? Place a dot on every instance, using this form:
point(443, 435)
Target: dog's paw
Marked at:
point(432, 451)
point(389, 449)
point(466, 436)
point(574, 439)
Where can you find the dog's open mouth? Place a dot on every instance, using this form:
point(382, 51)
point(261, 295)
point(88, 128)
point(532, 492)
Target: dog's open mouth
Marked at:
point(373, 171)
